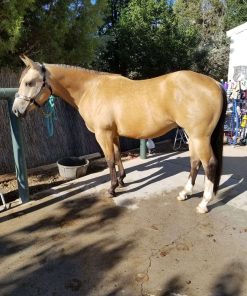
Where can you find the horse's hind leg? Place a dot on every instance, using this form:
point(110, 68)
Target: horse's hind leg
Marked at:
point(118, 160)
point(105, 140)
point(195, 165)
point(188, 188)
point(205, 153)
point(210, 173)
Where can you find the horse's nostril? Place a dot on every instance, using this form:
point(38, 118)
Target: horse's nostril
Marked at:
point(16, 112)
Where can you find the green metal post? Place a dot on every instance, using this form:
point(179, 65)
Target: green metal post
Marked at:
point(18, 147)
point(6, 93)
point(143, 149)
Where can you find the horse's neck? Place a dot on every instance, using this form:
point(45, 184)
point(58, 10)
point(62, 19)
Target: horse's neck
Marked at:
point(68, 83)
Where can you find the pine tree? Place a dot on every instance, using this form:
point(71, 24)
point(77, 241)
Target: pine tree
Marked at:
point(61, 31)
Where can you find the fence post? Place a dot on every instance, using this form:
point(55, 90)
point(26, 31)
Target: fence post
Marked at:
point(19, 156)
point(143, 149)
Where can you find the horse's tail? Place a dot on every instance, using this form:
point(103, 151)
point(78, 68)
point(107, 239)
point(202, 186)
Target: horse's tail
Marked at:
point(217, 141)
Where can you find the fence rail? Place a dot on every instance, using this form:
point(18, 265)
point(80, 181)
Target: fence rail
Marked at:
point(17, 144)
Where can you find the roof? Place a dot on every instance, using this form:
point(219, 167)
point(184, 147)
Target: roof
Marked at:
point(237, 30)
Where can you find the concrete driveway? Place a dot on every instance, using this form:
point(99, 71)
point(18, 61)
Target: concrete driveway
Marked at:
point(73, 240)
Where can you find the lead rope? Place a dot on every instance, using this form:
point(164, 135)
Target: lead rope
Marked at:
point(49, 113)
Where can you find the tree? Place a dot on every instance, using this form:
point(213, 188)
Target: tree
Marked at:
point(63, 31)
point(12, 14)
point(107, 57)
point(207, 16)
point(212, 18)
point(145, 39)
point(236, 13)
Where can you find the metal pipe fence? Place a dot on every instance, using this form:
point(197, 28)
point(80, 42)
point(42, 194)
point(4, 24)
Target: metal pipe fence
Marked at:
point(17, 144)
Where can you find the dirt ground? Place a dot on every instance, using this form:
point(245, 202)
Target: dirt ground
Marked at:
point(40, 179)
point(73, 241)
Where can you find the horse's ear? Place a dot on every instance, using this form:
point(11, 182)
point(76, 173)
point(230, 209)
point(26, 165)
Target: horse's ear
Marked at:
point(28, 62)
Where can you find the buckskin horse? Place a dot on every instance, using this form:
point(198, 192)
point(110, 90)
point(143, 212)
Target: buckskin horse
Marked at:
point(112, 106)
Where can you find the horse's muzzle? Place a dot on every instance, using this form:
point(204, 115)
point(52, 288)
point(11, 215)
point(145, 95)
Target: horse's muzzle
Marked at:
point(20, 106)
point(16, 112)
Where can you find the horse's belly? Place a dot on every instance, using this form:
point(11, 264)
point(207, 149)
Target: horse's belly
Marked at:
point(145, 129)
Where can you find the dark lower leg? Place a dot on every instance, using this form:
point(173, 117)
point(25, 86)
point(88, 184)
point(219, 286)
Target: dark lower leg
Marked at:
point(210, 170)
point(122, 174)
point(195, 166)
point(105, 139)
point(113, 176)
point(119, 163)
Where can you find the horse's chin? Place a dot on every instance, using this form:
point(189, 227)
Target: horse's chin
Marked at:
point(19, 114)
point(23, 115)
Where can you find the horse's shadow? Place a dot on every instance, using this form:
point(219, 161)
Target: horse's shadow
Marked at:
point(235, 185)
point(163, 167)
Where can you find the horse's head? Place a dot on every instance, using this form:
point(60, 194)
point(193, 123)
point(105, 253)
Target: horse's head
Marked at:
point(34, 89)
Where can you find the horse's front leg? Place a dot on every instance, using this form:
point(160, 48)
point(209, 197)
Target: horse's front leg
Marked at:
point(113, 176)
point(118, 161)
point(105, 140)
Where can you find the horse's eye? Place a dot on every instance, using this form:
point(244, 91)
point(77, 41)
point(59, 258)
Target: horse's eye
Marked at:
point(29, 83)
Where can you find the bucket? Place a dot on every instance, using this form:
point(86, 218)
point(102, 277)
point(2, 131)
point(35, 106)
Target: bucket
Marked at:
point(72, 167)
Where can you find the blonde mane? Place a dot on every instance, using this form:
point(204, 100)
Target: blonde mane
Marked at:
point(78, 68)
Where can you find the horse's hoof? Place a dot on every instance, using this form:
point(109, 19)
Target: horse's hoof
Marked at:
point(182, 196)
point(201, 210)
point(111, 194)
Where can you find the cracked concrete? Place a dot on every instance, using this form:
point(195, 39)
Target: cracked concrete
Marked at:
point(146, 275)
point(73, 240)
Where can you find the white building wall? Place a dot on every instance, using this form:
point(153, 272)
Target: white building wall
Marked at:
point(238, 48)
